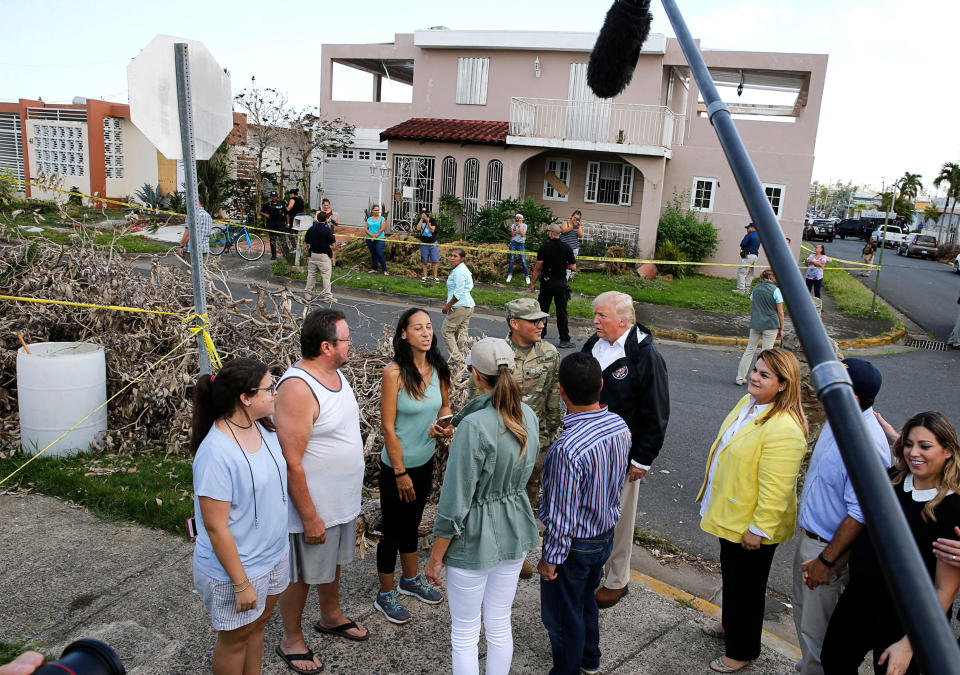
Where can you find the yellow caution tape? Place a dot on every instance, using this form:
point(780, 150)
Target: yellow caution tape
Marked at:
point(141, 207)
point(122, 389)
point(207, 340)
point(115, 308)
point(415, 243)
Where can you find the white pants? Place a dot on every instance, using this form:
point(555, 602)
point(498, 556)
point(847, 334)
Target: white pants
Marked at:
point(768, 339)
point(813, 607)
point(617, 569)
point(319, 262)
point(492, 590)
point(745, 273)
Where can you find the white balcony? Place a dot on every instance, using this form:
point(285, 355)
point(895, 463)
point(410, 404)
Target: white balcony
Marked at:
point(595, 125)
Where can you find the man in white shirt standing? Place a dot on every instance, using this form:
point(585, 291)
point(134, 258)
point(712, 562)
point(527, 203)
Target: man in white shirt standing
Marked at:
point(830, 520)
point(318, 425)
point(635, 386)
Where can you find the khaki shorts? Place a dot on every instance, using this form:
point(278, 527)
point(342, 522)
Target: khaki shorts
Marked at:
point(317, 563)
point(221, 601)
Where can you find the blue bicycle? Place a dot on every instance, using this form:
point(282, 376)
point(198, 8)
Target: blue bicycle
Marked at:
point(248, 245)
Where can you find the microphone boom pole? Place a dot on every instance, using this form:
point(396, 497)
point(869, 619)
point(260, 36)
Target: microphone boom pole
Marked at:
point(917, 604)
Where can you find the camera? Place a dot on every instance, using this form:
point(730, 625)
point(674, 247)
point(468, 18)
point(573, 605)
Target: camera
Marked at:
point(85, 657)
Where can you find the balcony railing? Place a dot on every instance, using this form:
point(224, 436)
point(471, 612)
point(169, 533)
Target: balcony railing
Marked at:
point(596, 122)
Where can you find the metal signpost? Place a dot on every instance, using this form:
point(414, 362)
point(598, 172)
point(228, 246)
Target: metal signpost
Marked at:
point(193, 205)
point(181, 100)
point(917, 603)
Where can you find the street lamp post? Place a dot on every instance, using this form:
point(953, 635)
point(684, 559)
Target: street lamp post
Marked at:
point(381, 173)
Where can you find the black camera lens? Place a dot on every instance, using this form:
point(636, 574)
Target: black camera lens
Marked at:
point(85, 657)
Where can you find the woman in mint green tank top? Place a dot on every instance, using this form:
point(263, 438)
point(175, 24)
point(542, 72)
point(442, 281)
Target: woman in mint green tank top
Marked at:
point(415, 393)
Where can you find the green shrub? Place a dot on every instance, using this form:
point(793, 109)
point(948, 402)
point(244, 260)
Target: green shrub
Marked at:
point(695, 239)
point(451, 210)
point(75, 199)
point(667, 250)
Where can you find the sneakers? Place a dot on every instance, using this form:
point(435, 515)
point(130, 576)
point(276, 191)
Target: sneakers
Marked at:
point(420, 589)
point(436, 280)
point(509, 278)
point(527, 280)
point(565, 344)
point(389, 604)
point(423, 279)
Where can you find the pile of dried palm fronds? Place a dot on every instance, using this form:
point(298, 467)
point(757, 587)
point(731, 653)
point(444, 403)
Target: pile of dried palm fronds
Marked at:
point(155, 412)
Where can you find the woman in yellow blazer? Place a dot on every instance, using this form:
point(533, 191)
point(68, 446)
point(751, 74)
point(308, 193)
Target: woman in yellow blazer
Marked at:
point(749, 497)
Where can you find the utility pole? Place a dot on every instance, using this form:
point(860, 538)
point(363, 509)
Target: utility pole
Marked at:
point(883, 242)
point(193, 206)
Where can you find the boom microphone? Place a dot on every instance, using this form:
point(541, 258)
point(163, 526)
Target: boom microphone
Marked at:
point(617, 49)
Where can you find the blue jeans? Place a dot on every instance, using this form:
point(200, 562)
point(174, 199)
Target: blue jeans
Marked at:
point(377, 259)
point(568, 605)
point(517, 246)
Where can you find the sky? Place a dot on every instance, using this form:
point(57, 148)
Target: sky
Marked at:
point(889, 103)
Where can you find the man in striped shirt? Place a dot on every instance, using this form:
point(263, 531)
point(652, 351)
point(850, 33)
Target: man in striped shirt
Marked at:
point(582, 479)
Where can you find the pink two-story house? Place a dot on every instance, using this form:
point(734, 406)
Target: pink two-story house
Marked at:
point(497, 114)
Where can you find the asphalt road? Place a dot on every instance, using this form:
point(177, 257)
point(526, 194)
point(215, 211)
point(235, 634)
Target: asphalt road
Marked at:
point(924, 290)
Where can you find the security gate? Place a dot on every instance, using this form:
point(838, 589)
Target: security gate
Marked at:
point(412, 189)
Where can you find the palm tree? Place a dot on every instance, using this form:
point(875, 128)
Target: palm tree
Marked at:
point(949, 174)
point(910, 185)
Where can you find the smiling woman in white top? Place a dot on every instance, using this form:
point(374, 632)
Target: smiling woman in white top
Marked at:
point(749, 497)
point(240, 500)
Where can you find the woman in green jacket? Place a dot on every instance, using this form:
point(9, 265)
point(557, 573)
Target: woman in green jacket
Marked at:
point(484, 525)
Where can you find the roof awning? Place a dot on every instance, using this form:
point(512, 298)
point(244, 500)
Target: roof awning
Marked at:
point(399, 70)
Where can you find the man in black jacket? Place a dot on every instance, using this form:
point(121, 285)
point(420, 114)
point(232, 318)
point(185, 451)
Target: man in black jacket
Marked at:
point(554, 258)
point(635, 387)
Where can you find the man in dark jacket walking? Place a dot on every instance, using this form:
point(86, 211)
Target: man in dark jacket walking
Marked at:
point(635, 387)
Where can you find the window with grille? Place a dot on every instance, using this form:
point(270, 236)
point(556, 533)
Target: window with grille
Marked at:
point(703, 193)
point(471, 186)
point(113, 147)
point(59, 149)
point(609, 183)
point(472, 77)
point(11, 146)
point(775, 196)
point(363, 155)
point(381, 156)
point(556, 179)
point(494, 182)
point(448, 176)
point(347, 154)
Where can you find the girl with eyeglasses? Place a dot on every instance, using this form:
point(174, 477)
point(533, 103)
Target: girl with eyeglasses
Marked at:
point(240, 500)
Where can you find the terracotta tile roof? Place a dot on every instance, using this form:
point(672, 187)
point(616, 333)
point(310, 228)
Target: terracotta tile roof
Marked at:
point(453, 131)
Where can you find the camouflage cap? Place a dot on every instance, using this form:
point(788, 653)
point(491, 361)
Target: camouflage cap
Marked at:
point(525, 308)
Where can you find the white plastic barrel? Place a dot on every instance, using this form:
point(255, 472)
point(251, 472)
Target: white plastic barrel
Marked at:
point(58, 384)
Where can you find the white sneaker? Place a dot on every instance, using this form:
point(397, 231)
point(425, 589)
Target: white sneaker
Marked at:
point(527, 279)
point(509, 278)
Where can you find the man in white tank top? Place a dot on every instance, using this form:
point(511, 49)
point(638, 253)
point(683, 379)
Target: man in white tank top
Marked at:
point(318, 424)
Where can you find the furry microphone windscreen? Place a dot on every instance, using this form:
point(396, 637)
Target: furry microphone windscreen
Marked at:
point(617, 49)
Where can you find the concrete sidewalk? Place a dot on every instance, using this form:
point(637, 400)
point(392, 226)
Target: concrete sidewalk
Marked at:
point(68, 574)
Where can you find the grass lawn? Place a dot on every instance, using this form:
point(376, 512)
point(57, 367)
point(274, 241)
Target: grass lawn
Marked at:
point(694, 292)
point(853, 298)
point(150, 488)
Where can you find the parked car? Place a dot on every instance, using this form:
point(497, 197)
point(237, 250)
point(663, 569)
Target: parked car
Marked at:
point(895, 236)
point(853, 227)
point(820, 228)
point(922, 245)
point(956, 264)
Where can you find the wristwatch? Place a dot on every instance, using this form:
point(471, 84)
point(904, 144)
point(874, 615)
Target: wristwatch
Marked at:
point(826, 562)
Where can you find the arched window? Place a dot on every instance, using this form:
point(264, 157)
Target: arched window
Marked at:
point(448, 176)
point(494, 181)
point(471, 186)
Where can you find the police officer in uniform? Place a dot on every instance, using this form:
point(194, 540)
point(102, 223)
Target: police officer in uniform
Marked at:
point(553, 260)
point(273, 212)
point(294, 207)
point(537, 365)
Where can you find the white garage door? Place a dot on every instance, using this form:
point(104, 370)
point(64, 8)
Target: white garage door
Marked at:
point(350, 187)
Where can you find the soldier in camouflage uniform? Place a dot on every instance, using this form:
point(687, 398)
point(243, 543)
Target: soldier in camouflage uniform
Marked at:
point(536, 370)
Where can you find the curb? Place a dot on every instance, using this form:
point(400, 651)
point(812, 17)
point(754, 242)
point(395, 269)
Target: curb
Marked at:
point(705, 607)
